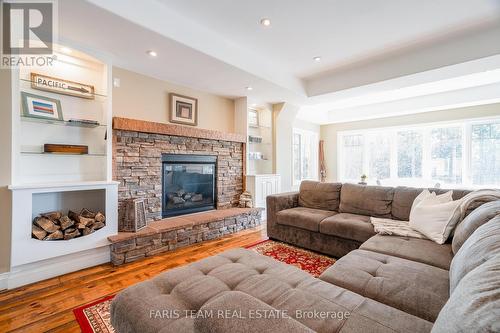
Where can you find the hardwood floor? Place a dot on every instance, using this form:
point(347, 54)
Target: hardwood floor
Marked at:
point(47, 306)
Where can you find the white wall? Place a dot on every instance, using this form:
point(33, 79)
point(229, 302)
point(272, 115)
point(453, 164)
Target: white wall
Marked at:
point(284, 122)
point(329, 132)
point(5, 169)
point(284, 116)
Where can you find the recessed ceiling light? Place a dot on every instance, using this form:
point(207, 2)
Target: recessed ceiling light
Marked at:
point(317, 59)
point(66, 50)
point(254, 104)
point(265, 22)
point(249, 88)
point(152, 53)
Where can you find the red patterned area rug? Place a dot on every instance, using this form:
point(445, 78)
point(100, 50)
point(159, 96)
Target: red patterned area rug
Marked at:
point(311, 262)
point(95, 317)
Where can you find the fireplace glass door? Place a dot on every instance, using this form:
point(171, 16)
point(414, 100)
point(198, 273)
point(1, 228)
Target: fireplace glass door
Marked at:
point(188, 184)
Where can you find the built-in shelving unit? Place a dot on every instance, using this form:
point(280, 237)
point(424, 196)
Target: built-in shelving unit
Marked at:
point(31, 164)
point(54, 181)
point(260, 141)
point(257, 125)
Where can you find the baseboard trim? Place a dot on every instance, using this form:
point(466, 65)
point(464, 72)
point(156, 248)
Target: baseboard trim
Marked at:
point(4, 280)
point(46, 269)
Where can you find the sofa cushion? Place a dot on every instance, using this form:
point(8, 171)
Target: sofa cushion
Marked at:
point(302, 217)
point(267, 284)
point(319, 195)
point(403, 200)
point(366, 200)
point(474, 305)
point(349, 226)
point(410, 286)
point(474, 220)
point(456, 195)
point(404, 197)
point(246, 306)
point(415, 249)
point(483, 244)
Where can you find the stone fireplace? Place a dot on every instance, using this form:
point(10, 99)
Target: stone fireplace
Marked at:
point(142, 150)
point(188, 183)
point(176, 170)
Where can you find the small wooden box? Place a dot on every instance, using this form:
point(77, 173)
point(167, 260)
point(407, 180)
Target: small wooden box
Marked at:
point(65, 149)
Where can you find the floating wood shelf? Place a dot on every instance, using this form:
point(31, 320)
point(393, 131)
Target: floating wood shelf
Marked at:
point(134, 125)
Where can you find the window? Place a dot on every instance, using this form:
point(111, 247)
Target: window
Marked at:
point(446, 155)
point(409, 150)
point(461, 153)
point(485, 154)
point(353, 152)
point(379, 156)
point(305, 155)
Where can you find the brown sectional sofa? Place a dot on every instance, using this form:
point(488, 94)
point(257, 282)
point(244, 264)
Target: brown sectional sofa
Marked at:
point(335, 219)
point(410, 274)
point(389, 284)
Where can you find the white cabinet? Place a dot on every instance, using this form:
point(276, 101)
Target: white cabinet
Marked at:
point(260, 186)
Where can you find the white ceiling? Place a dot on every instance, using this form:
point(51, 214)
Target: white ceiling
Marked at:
point(340, 31)
point(219, 46)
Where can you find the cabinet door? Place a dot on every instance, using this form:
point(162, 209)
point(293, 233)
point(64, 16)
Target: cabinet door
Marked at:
point(276, 184)
point(260, 192)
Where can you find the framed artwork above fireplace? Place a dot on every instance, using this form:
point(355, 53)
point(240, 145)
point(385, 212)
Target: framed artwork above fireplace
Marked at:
point(183, 110)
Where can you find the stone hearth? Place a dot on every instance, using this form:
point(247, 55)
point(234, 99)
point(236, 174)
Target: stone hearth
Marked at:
point(176, 232)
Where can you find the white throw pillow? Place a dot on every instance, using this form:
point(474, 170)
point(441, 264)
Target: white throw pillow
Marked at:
point(422, 196)
point(435, 217)
point(445, 197)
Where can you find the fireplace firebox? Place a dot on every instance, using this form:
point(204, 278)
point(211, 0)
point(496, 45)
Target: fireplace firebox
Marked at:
point(188, 183)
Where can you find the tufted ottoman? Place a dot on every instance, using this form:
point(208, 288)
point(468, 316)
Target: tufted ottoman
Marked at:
point(242, 291)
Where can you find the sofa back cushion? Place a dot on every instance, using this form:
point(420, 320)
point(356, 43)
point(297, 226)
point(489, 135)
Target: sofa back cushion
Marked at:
point(403, 200)
point(366, 200)
point(474, 304)
point(319, 195)
point(404, 197)
point(483, 244)
point(457, 193)
point(474, 220)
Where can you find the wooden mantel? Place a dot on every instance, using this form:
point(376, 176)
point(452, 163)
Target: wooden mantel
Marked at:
point(134, 125)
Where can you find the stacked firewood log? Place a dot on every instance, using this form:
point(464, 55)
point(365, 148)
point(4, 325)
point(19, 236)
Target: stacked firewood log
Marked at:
point(56, 226)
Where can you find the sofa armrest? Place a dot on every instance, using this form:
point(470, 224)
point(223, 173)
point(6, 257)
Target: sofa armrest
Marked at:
point(276, 203)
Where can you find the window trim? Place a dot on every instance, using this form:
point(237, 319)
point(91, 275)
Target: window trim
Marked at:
point(315, 138)
point(465, 124)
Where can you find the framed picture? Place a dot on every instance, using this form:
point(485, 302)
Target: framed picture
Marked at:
point(253, 117)
point(35, 106)
point(183, 110)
